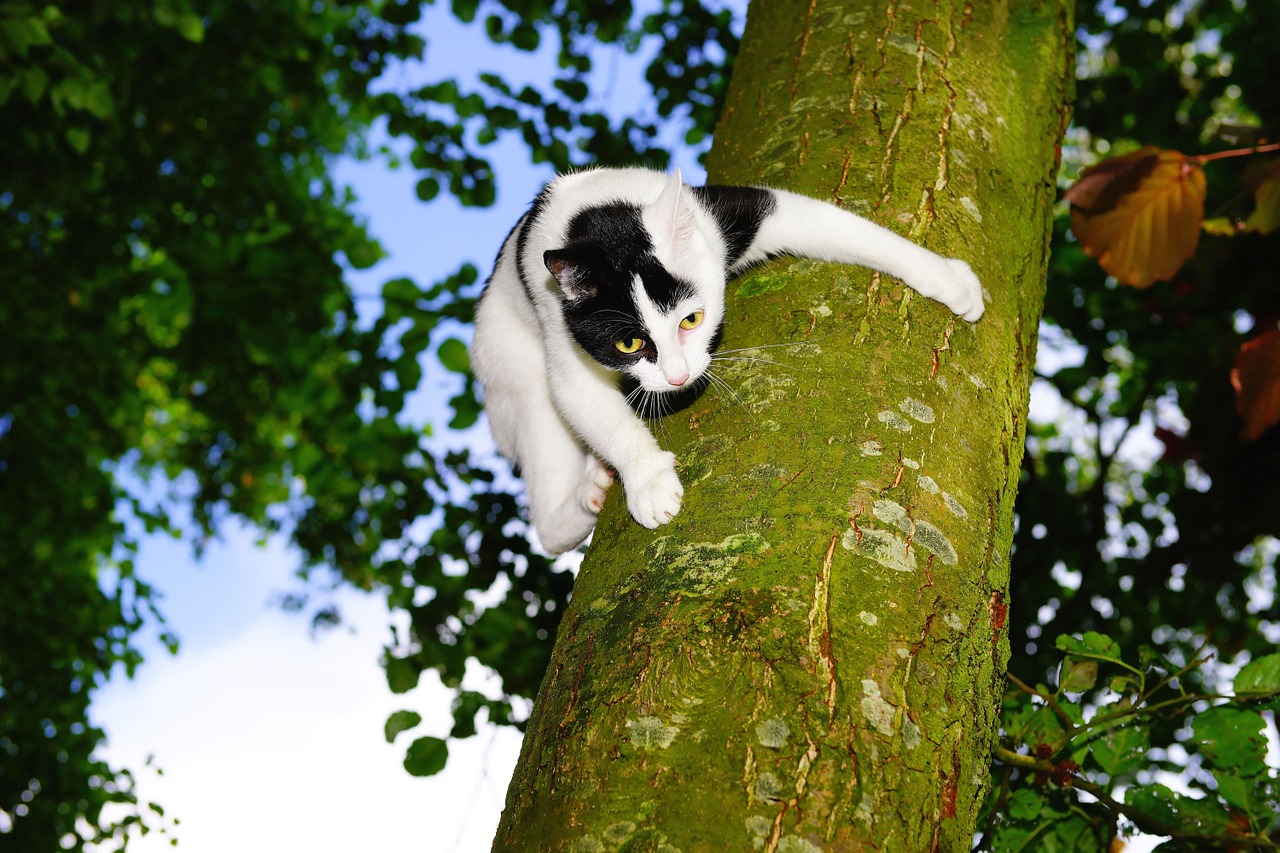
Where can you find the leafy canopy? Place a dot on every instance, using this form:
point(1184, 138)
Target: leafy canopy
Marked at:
point(178, 335)
point(177, 309)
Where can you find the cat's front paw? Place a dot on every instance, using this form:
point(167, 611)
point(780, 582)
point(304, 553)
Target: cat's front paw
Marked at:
point(960, 290)
point(654, 495)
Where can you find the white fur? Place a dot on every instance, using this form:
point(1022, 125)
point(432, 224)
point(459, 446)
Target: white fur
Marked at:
point(559, 415)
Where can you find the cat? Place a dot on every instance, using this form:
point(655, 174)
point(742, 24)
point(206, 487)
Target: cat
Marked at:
point(614, 280)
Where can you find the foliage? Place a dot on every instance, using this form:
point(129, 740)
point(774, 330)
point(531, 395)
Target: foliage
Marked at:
point(180, 337)
point(1095, 739)
point(176, 311)
point(1149, 508)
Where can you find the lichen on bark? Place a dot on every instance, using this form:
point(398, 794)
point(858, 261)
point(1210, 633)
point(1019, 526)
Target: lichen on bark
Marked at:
point(808, 657)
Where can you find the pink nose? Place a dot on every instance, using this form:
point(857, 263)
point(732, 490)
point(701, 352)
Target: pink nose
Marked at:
point(678, 380)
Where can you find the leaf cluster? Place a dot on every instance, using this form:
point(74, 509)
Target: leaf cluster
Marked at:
point(1148, 507)
point(1093, 733)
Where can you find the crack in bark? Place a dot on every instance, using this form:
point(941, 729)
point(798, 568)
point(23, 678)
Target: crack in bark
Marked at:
point(820, 629)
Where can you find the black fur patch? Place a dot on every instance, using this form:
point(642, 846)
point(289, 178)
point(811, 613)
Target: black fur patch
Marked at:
point(608, 247)
point(738, 211)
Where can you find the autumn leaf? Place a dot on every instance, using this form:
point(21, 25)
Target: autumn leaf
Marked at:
point(1139, 214)
point(1256, 378)
point(1265, 183)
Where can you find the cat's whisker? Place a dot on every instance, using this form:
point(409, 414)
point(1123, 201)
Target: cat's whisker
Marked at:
point(721, 385)
point(749, 360)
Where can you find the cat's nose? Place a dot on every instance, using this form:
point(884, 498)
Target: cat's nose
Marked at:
point(676, 373)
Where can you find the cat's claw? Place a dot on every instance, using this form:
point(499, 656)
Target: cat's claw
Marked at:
point(961, 291)
point(654, 497)
point(595, 484)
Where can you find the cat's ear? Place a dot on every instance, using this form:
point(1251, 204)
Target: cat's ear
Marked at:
point(671, 217)
point(572, 271)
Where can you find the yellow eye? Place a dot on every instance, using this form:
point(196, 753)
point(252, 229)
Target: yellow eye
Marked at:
point(630, 345)
point(693, 321)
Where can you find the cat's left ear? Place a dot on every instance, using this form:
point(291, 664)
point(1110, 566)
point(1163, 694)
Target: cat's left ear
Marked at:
point(572, 269)
point(671, 217)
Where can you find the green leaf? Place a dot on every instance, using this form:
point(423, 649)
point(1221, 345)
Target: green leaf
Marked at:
point(426, 756)
point(1121, 750)
point(1237, 791)
point(1259, 678)
point(402, 674)
point(78, 138)
point(1091, 644)
point(1025, 804)
point(400, 721)
point(466, 410)
point(21, 34)
point(401, 290)
point(427, 188)
point(525, 37)
point(1232, 738)
point(465, 707)
point(454, 356)
point(191, 27)
point(1078, 675)
point(34, 83)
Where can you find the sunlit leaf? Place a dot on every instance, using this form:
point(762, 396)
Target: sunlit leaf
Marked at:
point(1091, 643)
point(1139, 215)
point(1122, 749)
point(1256, 379)
point(1232, 738)
point(1221, 226)
point(1078, 675)
point(1259, 678)
point(1265, 183)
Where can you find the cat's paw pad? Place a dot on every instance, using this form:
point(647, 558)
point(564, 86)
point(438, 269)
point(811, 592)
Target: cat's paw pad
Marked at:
point(960, 290)
point(654, 497)
point(596, 480)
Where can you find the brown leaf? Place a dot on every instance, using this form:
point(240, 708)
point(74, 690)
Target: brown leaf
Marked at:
point(1256, 378)
point(1139, 215)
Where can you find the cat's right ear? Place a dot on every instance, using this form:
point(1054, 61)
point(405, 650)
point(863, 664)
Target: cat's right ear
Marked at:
point(572, 272)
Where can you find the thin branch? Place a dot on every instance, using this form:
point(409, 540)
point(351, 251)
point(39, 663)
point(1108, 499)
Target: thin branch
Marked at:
point(1234, 152)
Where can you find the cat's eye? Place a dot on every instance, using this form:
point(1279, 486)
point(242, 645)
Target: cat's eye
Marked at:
point(630, 345)
point(693, 321)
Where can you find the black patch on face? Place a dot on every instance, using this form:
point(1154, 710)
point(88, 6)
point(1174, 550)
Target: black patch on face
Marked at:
point(607, 248)
point(739, 211)
point(669, 402)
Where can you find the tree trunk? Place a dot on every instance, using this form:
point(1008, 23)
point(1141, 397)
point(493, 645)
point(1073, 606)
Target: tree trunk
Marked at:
point(811, 657)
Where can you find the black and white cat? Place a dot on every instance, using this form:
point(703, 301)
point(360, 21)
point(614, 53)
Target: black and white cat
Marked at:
point(618, 276)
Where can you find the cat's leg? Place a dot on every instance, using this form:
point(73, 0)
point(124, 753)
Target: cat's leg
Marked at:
point(806, 227)
point(588, 398)
point(564, 483)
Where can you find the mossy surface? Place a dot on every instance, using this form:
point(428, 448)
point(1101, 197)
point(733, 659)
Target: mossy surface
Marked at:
point(805, 659)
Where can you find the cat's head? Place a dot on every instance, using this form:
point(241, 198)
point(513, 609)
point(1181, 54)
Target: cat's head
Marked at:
point(644, 288)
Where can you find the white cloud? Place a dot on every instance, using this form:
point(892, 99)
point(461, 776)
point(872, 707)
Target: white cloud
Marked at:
point(269, 740)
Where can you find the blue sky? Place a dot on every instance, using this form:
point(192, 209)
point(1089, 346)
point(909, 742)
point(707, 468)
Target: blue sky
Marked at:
point(269, 738)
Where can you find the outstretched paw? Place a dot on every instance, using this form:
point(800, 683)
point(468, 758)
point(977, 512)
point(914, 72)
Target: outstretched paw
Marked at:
point(654, 496)
point(596, 480)
point(960, 290)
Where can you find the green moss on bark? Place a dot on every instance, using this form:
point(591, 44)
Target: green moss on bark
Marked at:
point(811, 656)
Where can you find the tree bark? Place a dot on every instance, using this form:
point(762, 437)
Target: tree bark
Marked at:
point(811, 656)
